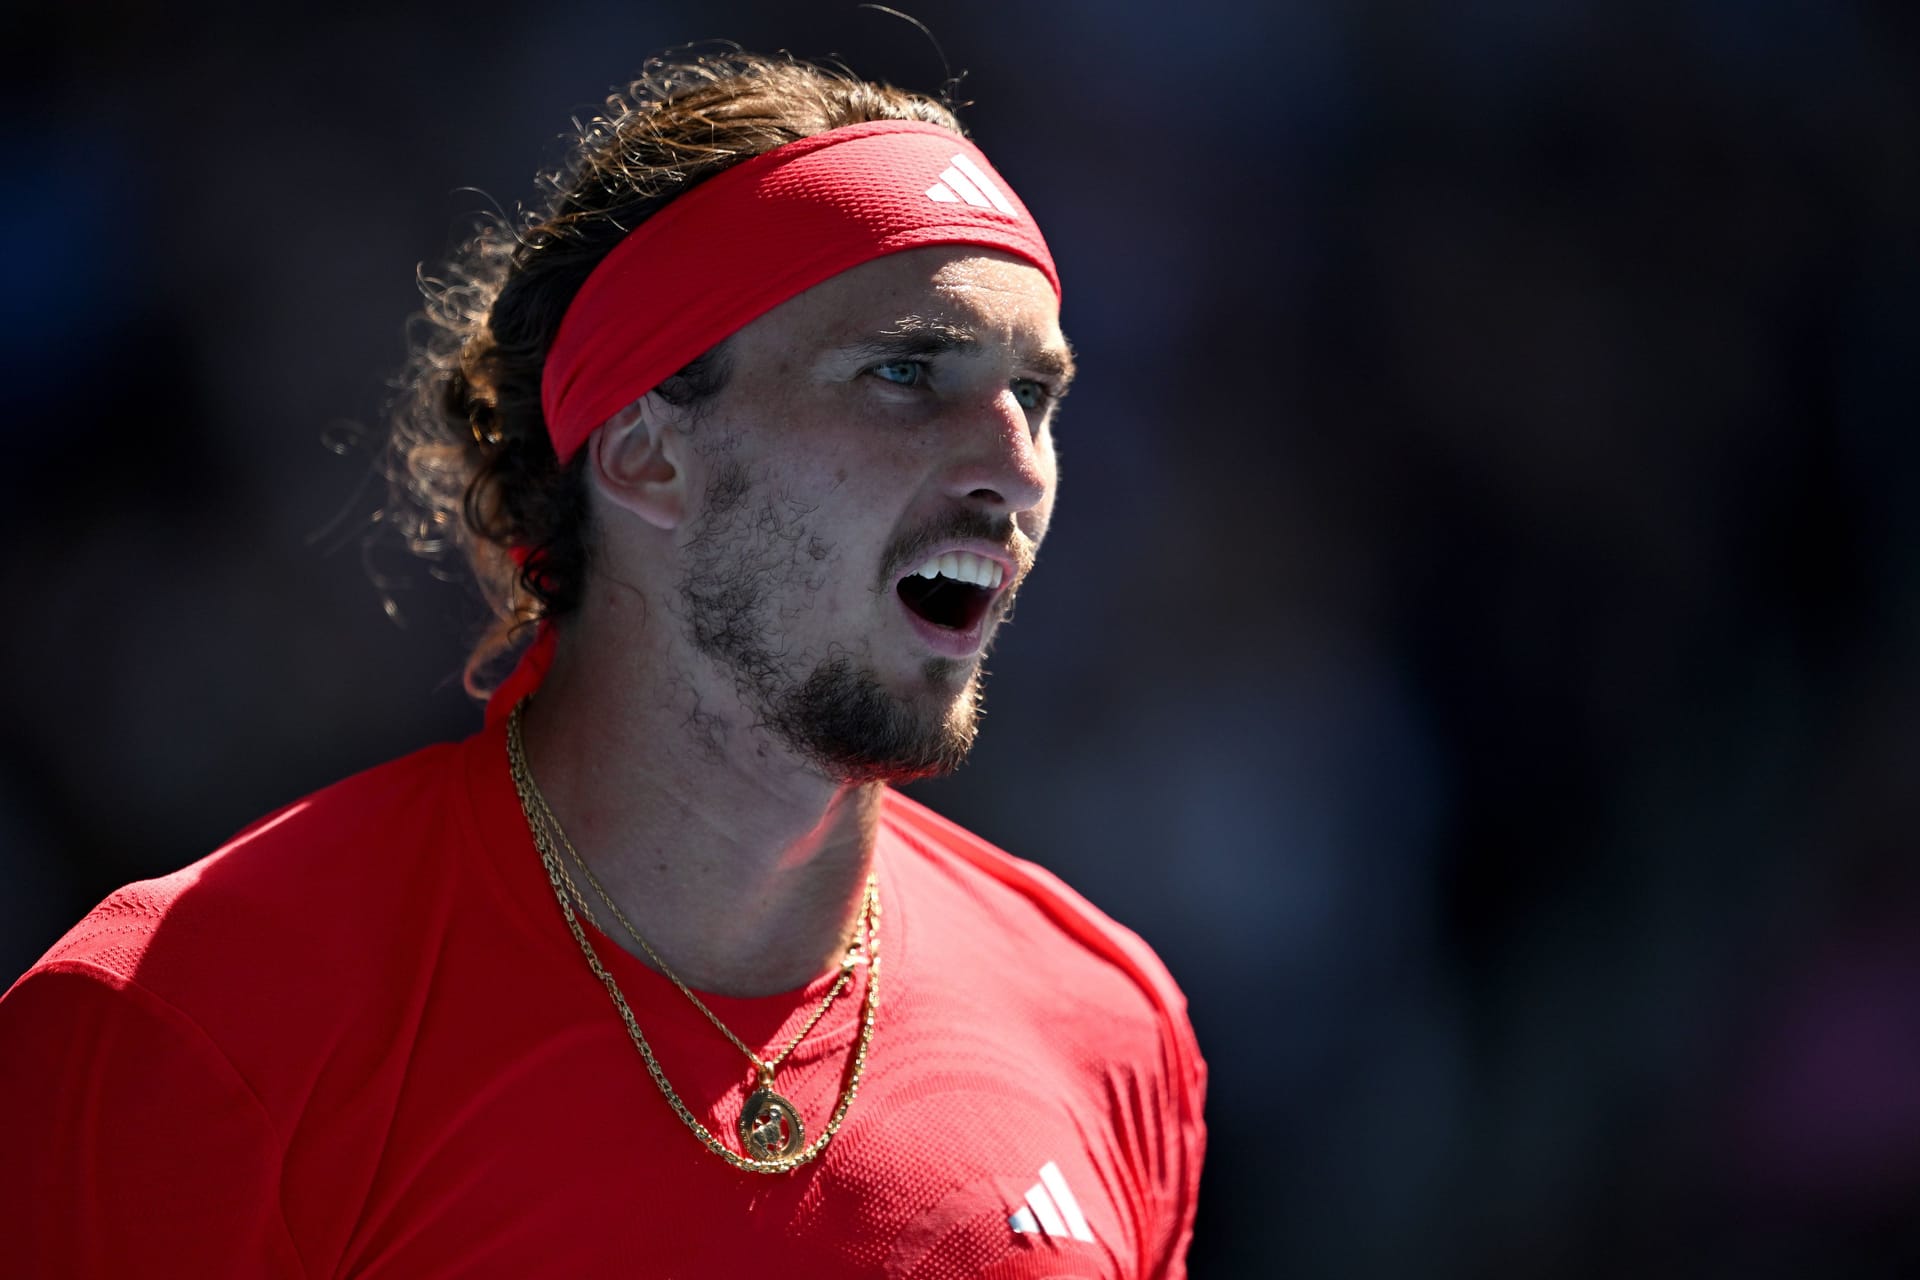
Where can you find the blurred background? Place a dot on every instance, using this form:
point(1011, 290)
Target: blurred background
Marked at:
point(1479, 646)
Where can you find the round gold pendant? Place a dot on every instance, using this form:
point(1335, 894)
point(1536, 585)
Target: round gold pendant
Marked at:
point(770, 1128)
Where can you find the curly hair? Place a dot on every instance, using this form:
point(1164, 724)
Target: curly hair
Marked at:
point(472, 471)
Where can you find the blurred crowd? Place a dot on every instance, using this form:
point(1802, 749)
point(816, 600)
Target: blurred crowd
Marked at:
point(1479, 646)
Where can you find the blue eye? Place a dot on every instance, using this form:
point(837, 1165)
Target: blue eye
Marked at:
point(1031, 394)
point(903, 373)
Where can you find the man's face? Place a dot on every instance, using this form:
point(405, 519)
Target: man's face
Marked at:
point(871, 485)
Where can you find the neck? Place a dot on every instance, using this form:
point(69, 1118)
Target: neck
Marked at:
point(742, 867)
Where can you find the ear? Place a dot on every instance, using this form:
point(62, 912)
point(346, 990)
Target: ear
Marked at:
point(636, 459)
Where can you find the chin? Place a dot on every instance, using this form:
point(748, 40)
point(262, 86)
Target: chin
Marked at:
point(856, 731)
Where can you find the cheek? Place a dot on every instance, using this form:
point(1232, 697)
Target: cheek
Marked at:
point(835, 519)
point(1034, 521)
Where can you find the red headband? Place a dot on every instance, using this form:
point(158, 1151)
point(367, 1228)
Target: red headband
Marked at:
point(753, 236)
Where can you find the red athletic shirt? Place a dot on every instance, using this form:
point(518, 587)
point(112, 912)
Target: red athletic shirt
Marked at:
point(359, 1041)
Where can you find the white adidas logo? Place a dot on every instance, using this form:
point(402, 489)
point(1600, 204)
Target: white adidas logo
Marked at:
point(1051, 1209)
point(965, 180)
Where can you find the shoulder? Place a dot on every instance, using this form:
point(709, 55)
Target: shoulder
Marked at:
point(1057, 929)
point(298, 887)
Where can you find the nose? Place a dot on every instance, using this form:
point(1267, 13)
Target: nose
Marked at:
point(1000, 462)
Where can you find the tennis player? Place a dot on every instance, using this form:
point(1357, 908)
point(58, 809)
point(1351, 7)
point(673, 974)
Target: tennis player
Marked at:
point(747, 432)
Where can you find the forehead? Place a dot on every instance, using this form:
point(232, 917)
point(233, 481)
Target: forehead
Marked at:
point(995, 296)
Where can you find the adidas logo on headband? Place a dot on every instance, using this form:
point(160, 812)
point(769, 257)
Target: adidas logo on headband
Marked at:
point(762, 231)
point(965, 180)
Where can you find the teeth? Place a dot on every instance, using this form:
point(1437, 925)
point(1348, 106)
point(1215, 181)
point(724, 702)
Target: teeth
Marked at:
point(963, 566)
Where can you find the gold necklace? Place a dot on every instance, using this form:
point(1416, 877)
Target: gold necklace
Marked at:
point(769, 1124)
point(770, 1127)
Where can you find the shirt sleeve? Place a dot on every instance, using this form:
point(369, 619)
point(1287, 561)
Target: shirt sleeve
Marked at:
point(132, 1146)
point(1186, 1141)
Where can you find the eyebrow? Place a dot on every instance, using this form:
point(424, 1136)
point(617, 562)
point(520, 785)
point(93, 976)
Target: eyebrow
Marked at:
point(921, 336)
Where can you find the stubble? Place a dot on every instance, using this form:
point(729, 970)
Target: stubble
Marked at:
point(752, 566)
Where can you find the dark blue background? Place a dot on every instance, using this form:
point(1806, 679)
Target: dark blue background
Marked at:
point(1478, 642)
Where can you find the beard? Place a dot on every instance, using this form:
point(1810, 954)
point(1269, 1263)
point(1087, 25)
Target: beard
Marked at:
point(848, 725)
point(832, 710)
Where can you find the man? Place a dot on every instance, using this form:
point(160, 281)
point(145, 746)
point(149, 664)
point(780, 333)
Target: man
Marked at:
point(749, 438)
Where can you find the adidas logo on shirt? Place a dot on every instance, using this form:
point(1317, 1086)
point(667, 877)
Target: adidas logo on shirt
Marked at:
point(965, 180)
point(1050, 1209)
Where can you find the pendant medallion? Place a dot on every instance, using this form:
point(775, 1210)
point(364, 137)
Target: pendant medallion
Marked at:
point(770, 1128)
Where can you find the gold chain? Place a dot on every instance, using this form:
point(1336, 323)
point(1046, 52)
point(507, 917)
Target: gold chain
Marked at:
point(765, 1068)
point(546, 831)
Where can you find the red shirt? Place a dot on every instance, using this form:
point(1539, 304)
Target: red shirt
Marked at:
point(359, 1040)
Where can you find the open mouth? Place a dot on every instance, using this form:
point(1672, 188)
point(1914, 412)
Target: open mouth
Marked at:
point(952, 591)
